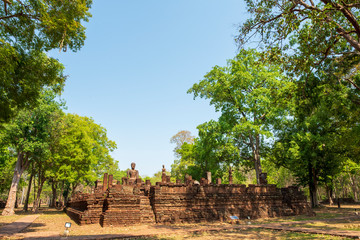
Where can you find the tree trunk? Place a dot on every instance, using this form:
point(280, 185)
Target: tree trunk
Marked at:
point(257, 163)
point(22, 196)
point(329, 193)
point(26, 204)
point(19, 168)
point(66, 195)
point(37, 201)
point(313, 187)
point(53, 198)
point(61, 195)
point(313, 195)
point(354, 187)
point(34, 190)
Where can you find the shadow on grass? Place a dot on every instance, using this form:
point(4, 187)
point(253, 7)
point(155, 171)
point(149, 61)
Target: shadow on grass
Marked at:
point(104, 236)
point(33, 227)
point(189, 225)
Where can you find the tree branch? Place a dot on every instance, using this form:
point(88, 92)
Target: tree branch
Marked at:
point(352, 83)
point(12, 16)
point(348, 15)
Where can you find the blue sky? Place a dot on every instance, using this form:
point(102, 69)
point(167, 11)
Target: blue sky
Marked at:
point(138, 61)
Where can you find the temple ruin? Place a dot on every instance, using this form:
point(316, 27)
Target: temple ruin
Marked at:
point(134, 201)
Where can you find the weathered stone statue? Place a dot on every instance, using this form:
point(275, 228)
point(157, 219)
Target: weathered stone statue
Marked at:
point(132, 174)
point(163, 175)
point(263, 178)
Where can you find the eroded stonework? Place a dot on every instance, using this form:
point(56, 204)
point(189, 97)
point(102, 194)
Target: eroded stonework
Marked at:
point(135, 202)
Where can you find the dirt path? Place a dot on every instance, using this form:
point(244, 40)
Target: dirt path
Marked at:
point(17, 226)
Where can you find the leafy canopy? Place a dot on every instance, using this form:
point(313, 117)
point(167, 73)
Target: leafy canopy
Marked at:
point(27, 29)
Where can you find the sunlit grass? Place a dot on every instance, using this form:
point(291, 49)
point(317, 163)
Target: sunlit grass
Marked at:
point(53, 221)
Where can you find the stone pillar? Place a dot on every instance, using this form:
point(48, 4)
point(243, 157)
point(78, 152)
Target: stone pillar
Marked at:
point(189, 180)
point(178, 181)
point(208, 177)
point(110, 181)
point(105, 182)
point(218, 181)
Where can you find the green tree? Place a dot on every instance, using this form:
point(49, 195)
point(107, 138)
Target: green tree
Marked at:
point(27, 29)
point(312, 143)
point(180, 138)
point(180, 164)
point(83, 151)
point(214, 151)
point(7, 163)
point(252, 97)
point(184, 163)
point(27, 135)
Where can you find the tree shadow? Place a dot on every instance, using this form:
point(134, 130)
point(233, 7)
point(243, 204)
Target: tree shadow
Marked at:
point(34, 227)
point(102, 236)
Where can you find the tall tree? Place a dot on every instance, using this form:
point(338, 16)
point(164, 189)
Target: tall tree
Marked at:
point(82, 151)
point(251, 96)
point(311, 142)
point(27, 29)
point(180, 138)
point(28, 136)
point(213, 151)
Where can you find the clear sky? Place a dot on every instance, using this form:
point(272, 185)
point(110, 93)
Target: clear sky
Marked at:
point(139, 59)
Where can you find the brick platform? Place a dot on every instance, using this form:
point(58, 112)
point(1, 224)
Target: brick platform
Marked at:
point(123, 204)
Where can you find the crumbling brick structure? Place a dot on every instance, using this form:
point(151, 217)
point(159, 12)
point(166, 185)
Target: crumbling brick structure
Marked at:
point(86, 208)
point(134, 202)
point(126, 205)
point(196, 203)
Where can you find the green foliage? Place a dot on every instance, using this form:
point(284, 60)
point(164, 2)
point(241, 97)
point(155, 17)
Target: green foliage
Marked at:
point(27, 29)
point(307, 31)
point(185, 163)
point(22, 78)
point(316, 43)
point(34, 24)
point(180, 138)
point(29, 132)
point(7, 163)
point(62, 148)
point(280, 176)
point(312, 144)
point(212, 151)
point(82, 151)
point(118, 174)
point(252, 97)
